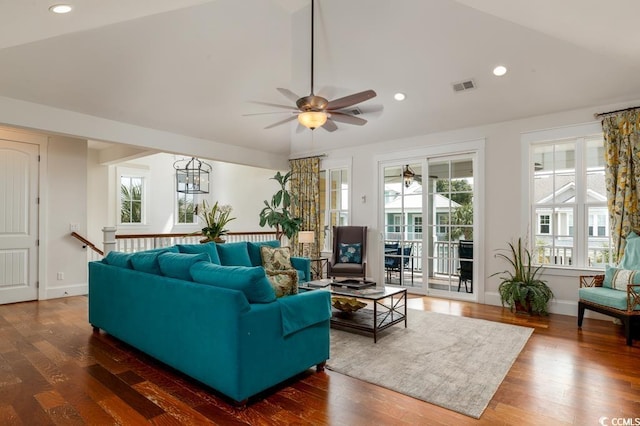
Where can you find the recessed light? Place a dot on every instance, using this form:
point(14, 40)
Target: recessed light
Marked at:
point(399, 96)
point(61, 8)
point(500, 70)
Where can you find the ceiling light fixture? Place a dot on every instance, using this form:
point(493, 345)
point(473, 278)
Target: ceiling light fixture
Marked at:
point(408, 176)
point(61, 8)
point(500, 70)
point(312, 119)
point(192, 176)
point(399, 96)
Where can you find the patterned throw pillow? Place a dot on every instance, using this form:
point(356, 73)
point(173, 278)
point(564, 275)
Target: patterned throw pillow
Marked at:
point(350, 253)
point(621, 277)
point(284, 282)
point(276, 258)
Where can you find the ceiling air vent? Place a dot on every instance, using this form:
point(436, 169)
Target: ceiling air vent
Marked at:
point(352, 111)
point(464, 86)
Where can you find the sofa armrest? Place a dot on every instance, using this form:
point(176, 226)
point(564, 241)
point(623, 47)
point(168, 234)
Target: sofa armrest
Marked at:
point(591, 280)
point(302, 264)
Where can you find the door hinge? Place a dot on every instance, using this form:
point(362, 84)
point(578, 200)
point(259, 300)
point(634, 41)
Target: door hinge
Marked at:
point(38, 200)
point(38, 157)
point(37, 243)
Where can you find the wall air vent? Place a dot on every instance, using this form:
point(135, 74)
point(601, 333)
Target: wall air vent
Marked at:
point(464, 86)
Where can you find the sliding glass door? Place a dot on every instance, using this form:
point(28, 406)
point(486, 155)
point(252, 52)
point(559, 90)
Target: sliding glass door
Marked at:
point(428, 225)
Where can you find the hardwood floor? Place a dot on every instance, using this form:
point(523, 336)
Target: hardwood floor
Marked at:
point(54, 370)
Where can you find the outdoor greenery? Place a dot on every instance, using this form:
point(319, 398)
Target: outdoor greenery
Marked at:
point(461, 219)
point(216, 218)
point(131, 201)
point(277, 213)
point(186, 208)
point(520, 285)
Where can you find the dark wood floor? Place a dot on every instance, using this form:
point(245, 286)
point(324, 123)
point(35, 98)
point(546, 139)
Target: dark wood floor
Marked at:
point(54, 370)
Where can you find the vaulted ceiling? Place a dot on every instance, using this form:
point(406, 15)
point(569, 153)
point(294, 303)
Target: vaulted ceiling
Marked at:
point(195, 67)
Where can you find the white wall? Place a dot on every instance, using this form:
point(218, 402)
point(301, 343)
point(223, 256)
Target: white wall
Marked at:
point(66, 195)
point(505, 210)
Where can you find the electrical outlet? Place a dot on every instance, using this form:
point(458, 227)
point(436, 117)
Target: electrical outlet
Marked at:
point(74, 227)
point(60, 276)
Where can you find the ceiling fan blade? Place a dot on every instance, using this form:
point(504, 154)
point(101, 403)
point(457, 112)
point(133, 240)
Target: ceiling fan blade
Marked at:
point(330, 126)
point(347, 118)
point(288, 94)
point(347, 101)
point(291, 107)
point(286, 120)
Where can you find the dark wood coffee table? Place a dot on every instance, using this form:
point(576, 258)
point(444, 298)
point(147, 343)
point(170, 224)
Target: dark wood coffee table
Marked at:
point(389, 307)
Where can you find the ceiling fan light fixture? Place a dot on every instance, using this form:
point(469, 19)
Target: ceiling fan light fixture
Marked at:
point(408, 176)
point(312, 119)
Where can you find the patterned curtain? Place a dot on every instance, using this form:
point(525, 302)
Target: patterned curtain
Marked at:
point(622, 174)
point(305, 185)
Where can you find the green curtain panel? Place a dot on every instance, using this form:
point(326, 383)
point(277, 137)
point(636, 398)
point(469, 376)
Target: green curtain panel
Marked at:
point(305, 185)
point(622, 174)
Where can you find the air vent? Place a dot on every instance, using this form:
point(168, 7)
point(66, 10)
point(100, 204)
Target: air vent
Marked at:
point(352, 111)
point(464, 86)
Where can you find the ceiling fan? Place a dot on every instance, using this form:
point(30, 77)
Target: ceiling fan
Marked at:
point(315, 111)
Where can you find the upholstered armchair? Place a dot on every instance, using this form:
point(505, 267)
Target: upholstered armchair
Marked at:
point(349, 257)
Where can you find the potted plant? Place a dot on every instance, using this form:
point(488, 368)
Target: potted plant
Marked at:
point(216, 218)
point(277, 214)
point(520, 287)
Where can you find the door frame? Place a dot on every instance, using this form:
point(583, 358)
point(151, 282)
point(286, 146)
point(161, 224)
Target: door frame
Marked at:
point(476, 147)
point(20, 136)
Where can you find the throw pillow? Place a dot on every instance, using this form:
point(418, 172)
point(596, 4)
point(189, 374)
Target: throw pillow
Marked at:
point(284, 282)
point(119, 259)
point(631, 257)
point(234, 254)
point(252, 281)
point(254, 250)
point(350, 253)
point(618, 278)
point(147, 261)
point(276, 259)
point(209, 248)
point(177, 265)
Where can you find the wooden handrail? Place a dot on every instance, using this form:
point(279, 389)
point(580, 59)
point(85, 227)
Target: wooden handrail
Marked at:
point(128, 236)
point(87, 243)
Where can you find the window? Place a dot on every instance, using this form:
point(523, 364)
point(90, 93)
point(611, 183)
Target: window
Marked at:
point(334, 202)
point(569, 202)
point(186, 208)
point(544, 220)
point(131, 199)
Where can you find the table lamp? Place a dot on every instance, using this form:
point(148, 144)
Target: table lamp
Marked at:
point(306, 237)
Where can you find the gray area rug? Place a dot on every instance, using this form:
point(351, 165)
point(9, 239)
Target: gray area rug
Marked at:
point(454, 362)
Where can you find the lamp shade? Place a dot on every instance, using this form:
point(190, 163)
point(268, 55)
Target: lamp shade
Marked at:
point(312, 119)
point(306, 237)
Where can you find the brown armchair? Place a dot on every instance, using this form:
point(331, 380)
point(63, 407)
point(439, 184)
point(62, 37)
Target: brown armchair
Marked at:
point(345, 238)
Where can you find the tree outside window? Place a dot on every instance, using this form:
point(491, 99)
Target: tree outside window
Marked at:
point(131, 199)
point(186, 208)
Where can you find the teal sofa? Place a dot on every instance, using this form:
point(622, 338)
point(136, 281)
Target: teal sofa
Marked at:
point(220, 324)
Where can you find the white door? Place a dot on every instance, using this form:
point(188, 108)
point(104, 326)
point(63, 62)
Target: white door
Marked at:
point(18, 221)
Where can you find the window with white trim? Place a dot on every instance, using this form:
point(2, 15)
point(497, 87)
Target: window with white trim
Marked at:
point(186, 208)
point(131, 199)
point(569, 203)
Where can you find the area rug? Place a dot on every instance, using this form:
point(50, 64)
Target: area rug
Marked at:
point(454, 362)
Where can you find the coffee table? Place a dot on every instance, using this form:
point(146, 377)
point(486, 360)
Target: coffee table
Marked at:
point(389, 308)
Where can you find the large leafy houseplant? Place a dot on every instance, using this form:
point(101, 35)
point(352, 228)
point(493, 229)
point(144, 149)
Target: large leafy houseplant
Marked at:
point(520, 287)
point(277, 213)
point(215, 218)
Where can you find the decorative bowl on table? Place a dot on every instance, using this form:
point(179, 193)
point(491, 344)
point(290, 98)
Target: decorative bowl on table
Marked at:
point(347, 304)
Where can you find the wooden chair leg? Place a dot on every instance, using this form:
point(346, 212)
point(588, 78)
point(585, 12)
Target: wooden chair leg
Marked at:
point(320, 367)
point(581, 308)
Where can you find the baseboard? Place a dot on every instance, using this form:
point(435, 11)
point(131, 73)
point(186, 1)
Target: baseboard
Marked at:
point(562, 307)
point(67, 291)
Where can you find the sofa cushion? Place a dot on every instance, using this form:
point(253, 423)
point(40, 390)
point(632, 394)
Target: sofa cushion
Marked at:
point(252, 281)
point(606, 297)
point(147, 261)
point(254, 250)
point(350, 253)
point(234, 254)
point(119, 259)
point(209, 248)
point(177, 265)
point(276, 258)
point(284, 282)
point(618, 278)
